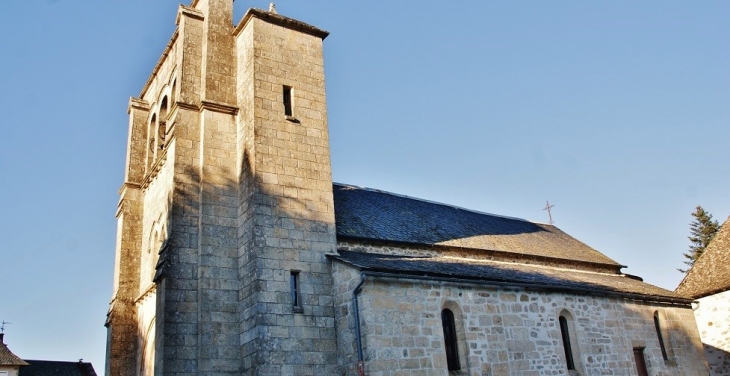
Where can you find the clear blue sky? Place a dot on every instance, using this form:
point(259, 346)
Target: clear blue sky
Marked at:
point(617, 112)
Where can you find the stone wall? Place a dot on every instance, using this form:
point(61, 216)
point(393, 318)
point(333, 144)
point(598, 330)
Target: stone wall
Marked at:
point(143, 208)
point(154, 228)
point(506, 331)
point(713, 320)
point(286, 213)
point(156, 214)
point(244, 193)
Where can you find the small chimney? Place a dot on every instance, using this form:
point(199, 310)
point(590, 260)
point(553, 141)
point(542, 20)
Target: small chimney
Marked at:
point(2, 338)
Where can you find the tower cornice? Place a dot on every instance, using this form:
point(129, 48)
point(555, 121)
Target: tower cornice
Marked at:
point(138, 104)
point(189, 12)
point(280, 20)
point(218, 107)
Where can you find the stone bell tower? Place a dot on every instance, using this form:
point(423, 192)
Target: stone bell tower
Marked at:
point(226, 212)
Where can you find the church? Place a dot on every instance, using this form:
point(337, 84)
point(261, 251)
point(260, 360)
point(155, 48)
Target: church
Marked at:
point(236, 253)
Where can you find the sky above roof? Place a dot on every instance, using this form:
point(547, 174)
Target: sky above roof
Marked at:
point(617, 112)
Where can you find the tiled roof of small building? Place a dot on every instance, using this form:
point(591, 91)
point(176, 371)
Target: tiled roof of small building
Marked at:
point(54, 368)
point(7, 358)
point(513, 274)
point(711, 272)
point(371, 214)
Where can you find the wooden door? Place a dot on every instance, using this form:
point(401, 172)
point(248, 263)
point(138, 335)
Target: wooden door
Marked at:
point(640, 362)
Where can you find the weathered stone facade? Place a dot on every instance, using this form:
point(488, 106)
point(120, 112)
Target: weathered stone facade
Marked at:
point(228, 238)
point(713, 320)
point(505, 331)
point(224, 196)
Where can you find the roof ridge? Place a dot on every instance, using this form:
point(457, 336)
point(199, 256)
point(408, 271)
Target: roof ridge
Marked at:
point(438, 203)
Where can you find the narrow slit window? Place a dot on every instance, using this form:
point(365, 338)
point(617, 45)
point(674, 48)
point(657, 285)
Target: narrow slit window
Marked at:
point(566, 342)
point(288, 101)
point(658, 328)
point(450, 340)
point(294, 287)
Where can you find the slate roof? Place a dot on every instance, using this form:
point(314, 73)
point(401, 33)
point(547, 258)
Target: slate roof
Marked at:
point(54, 368)
point(528, 275)
point(711, 272)
point(371, 214)
point(7, 358)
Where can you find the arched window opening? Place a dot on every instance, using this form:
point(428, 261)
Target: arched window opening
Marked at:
point(163, 109)
point(658, 328)
point(162, 126)
point(450, 340)
point(156, 252)
point(173, 91)
point(565, 334)
point(151, 151)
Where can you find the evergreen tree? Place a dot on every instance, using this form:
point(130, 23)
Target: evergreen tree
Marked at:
point(702, 229)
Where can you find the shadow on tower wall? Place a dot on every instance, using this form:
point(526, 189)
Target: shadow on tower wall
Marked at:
point(224, 274)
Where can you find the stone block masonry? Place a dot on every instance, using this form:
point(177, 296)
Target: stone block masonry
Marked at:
point(239, 192)
point(286, 213)
point(504, 331)
point(227, 236)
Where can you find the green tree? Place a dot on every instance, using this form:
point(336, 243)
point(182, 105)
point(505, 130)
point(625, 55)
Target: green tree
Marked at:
point(702, 229)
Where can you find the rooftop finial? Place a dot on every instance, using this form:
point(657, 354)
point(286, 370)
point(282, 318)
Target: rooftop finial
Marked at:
point(272, 8)
point(550, 215)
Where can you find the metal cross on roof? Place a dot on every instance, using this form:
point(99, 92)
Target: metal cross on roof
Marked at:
point(548, 207)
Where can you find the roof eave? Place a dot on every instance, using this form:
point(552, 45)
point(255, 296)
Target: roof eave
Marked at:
point(531, 286)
